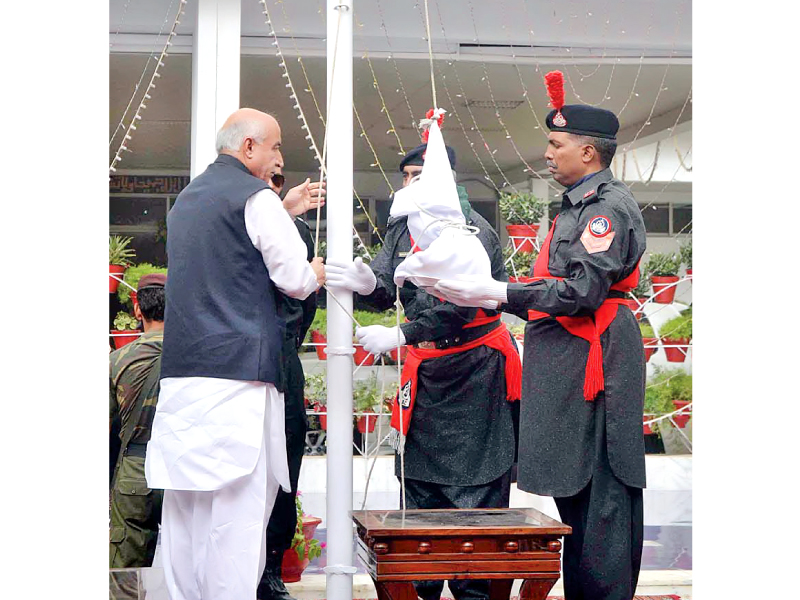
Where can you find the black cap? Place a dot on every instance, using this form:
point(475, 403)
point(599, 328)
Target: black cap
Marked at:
point(581, 119)
point(417, 157)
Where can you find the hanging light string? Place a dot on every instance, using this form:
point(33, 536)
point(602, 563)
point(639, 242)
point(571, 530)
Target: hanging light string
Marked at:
point(301, 115)
point(122, 21)
point(680, 158)
point(528, 168)
point(120, 126)
point(377, 87)
point(394, 64)
point(469, 110)
point(652, 167)
point(377, 162)
point(150, 86)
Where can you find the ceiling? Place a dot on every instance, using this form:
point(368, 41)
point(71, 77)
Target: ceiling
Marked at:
point(631, 56)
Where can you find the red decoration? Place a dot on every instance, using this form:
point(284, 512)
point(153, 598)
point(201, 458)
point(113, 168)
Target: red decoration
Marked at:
point(554, 81)
point(429, 115)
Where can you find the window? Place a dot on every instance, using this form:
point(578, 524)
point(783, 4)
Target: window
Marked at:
point(682, 218)
point(656, 218)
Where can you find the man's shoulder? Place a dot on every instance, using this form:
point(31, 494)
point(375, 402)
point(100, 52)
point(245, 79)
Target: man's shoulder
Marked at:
point(142, 351)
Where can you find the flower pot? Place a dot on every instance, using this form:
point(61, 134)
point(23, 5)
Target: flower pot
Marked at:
point(117, 270)
point(403, 354)
point(676, 354)
point(318, 338)
point(366, 423)
point(683, 418)
point(689, 271)
point(292, 566)
point(646, 427)
point(362, 357)
point(124, 337)
point(323, 417)
point(650, 346)
point(521, 279)
point(522, 236)
point(635, 309)
point(663, 292)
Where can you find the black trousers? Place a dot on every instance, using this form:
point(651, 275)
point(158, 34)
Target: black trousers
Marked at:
point(603, 555)
point(282, 521)
point(423, 494)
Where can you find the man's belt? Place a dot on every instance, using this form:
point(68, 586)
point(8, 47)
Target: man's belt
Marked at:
point(136, 450)
point(465, 336)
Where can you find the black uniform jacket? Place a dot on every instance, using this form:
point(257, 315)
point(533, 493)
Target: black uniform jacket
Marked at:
point(557, 425)
point(461, 432)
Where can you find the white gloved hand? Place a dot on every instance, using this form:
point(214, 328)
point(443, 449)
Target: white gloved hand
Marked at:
point(355, 276)
point(378, 339)
point(486, 293)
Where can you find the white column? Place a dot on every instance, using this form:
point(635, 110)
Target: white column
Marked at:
point(215, 75)
point(340, 338)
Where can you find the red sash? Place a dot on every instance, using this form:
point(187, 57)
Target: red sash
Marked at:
point(497, 338)
point(589, 328)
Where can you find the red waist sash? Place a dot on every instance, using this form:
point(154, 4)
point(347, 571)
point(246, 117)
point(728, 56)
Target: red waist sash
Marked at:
point(590, 328)
point(498, 338)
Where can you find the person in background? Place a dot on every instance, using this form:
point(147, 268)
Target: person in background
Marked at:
point(134, 385)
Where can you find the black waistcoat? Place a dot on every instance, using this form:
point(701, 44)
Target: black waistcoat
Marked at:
point(220, 318)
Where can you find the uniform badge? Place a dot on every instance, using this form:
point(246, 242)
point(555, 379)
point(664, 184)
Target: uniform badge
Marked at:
point(597, 236)
point(405, 395)
point(559, 120)
point(588, 194)
point(402, 254)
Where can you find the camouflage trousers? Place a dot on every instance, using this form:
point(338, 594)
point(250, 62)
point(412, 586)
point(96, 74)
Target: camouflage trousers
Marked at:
point(135, 515)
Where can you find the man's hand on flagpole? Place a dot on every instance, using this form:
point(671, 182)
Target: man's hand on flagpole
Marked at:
point(355, 276)
point(485, 293)
point(378, 339)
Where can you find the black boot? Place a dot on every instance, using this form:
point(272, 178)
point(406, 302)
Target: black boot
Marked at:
point(271, 585)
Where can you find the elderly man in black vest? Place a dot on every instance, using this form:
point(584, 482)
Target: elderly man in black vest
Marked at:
point(218, 446)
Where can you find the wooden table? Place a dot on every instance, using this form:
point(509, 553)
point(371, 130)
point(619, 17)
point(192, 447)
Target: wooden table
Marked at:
point(496, 544)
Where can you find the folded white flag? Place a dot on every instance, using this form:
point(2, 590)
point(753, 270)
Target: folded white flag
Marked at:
point(448, 250)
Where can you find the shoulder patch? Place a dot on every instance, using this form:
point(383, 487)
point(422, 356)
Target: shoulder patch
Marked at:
point(597, 236)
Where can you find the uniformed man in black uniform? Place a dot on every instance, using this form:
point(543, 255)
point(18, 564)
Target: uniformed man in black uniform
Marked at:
point(580, 425)
point(460, 445)
point(298, 315)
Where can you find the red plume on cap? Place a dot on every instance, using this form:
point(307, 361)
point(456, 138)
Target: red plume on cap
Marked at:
point(554, 81)
point(429, 115)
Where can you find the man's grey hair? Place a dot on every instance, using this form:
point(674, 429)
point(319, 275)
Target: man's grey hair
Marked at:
point(606, 148)
point(232, 137)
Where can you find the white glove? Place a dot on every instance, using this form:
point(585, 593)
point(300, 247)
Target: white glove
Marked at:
point(378, 339)
point(486, 293)
point(355, 276)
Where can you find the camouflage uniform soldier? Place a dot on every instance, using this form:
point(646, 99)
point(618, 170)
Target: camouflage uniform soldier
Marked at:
point(135, 508)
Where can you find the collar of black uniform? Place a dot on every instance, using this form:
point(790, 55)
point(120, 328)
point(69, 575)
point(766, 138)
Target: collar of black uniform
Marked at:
point(227, 159)
point(589, 188)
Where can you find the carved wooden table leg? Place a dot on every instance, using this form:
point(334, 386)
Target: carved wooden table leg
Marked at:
point(500, 589)
point(395, 590)
point(536, 589)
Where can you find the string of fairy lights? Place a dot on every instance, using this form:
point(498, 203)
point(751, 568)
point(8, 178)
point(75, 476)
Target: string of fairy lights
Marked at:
point(150, 87)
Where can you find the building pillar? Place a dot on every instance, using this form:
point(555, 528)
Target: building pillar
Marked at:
point(216, 49)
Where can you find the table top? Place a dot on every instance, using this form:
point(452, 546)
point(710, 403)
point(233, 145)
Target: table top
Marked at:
point(458, 522)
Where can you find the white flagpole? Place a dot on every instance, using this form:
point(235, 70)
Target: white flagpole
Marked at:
point(340, 339)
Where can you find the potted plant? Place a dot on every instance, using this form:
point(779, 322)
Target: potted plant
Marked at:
point(686, 255)
point(519, 264)
point(639, 293)
point(317, 332)
point(676, 335)
point(663, 269)
point(649, 340)
point(133, 274)
point(316, 396)
point(119, 258)
point(305, 547)
point(667, 391)
point(126, 329)
point(522, 211)
point(365, 400)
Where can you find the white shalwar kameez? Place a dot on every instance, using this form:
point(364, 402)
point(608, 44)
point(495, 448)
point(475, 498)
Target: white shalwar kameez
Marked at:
point(218, 447)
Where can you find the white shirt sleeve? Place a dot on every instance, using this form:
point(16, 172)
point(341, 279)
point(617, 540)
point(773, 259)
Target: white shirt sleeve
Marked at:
point(274, 234)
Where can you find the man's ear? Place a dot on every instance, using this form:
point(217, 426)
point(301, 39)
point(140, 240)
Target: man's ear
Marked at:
point(247, 147)
point(588, 153)
point(137, 312)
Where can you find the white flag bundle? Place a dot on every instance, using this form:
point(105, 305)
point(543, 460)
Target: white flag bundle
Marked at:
point(447, 248)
